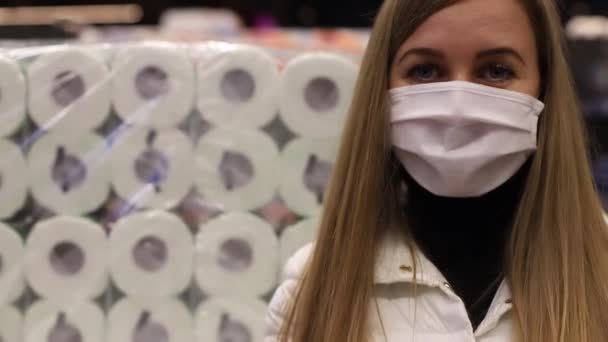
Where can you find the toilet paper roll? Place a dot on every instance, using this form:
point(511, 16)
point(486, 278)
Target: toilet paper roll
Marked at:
point(68, 90)
point(65, 259)
point(297, 236)
point(153, 85)
point(237, 86)
point(236, 254)
point(47, 321)
point(316, 91)
point(165, 320)
point(11, 324)
point(13, 184)
point(12, 99)
point(236, 168)
point(153, 168)
point(69, 174)
point(306, 166)
point(12, 282)
point(151, 255)
point(226, 319)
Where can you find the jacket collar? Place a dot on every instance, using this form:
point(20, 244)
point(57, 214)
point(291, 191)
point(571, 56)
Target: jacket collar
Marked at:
point(395, 263)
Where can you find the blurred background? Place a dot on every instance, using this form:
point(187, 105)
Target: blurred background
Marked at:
point(306, 13)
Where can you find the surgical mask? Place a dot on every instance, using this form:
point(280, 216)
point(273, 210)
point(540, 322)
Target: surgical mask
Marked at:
point(461, 139)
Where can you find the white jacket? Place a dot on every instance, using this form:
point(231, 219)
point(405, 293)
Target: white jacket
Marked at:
point(436, 314)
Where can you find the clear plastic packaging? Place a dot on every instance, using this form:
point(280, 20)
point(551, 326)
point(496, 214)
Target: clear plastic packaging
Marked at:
point(155, 189)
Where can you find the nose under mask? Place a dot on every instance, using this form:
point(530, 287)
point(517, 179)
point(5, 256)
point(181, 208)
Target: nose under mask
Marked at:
point(461, 139)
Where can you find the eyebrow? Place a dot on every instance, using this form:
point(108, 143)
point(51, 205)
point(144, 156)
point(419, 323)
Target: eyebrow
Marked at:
point(438, 54)
point(501, 51)
point(422, 51)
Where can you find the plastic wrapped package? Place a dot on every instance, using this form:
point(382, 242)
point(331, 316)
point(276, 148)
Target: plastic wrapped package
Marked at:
point(145, 189)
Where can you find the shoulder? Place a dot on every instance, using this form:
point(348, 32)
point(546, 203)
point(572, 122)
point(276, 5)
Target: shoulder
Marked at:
point(279, 304)
point(296, 263)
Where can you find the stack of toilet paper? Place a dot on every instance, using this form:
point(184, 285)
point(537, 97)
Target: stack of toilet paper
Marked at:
point(153, 89)
point(148, 126)
point(65, 264)
point(112, 123)
point(237, 91)
point(136, 96)
point(236, 262)
point(12, 283)
point(13, 185)
point(316, 90)
point(68, 98)
point(151, 262)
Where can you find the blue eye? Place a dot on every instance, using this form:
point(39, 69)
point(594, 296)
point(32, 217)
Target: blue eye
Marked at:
point(424, 72)
point(497, 73)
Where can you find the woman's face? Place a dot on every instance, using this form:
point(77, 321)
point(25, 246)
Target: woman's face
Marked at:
point(490, 42)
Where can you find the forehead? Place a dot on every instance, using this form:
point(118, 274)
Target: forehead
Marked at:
point(476, 22)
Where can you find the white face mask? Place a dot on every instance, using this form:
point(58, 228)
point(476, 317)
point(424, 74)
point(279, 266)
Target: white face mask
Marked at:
point(461, 139)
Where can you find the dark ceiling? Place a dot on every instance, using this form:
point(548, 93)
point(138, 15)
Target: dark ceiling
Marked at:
point(290, 12)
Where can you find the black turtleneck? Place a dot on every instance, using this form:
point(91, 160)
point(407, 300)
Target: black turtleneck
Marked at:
point(466, 237)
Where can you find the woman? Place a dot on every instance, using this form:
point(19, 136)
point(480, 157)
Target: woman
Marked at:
point(462, 206)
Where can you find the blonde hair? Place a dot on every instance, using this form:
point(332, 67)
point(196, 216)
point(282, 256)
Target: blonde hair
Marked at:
point(557, 262)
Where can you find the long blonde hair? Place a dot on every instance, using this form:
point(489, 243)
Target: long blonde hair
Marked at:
point(557, 256)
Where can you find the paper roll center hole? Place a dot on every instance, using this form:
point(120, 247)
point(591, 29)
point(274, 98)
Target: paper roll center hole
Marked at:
point(63, 331)
point(237, 86)
point(317, 175)
point(150, 253)
point(152, 167)
point(67, 258)
point(68, 171)
point(149, 331)
point(151, 82)
point(68, 87)
point(235, 255)
point(232, 331)
point(236, 170)
point(322, 94)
